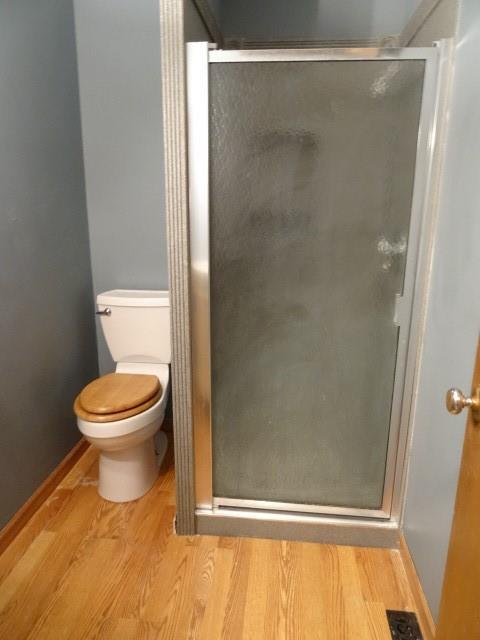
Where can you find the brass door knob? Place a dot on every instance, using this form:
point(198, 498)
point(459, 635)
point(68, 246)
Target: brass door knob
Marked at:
point(456, 401)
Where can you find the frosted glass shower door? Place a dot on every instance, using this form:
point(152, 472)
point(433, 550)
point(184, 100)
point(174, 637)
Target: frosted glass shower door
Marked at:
point(311, 180)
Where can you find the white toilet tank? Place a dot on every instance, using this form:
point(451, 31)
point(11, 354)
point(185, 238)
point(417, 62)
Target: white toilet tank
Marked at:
point(136, 325)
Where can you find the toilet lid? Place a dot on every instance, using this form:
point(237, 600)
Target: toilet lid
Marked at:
point(119, 415)
point(118, 392)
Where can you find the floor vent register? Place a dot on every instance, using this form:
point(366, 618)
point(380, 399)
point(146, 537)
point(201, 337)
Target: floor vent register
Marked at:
point(404, 625)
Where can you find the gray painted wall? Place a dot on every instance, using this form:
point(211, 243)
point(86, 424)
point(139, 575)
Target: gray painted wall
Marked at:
point(312, 19)
point(440, 22)
point(121, 107)
point(453, 322)
point(195, 30)
point(118, 43)
point(47, 339)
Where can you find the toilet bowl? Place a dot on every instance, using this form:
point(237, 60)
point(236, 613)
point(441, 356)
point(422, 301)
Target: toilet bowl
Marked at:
point(130, 454)
point(121, 414)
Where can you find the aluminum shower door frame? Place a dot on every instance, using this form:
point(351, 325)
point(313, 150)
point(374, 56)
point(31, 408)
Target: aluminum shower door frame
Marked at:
point(199, 57)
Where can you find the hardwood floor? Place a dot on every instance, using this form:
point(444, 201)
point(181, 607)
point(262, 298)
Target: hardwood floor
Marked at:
point(86, 568)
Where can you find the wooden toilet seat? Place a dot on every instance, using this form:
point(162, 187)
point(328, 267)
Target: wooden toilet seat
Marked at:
point(117, 396)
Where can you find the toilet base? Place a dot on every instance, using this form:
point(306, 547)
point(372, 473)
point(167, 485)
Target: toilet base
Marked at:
point(129, 473)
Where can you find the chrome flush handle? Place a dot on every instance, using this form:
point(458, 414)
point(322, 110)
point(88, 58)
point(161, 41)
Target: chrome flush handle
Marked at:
point(456, 401)
point(105, 312)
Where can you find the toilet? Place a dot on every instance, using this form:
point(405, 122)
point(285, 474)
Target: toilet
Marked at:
point(121, 413)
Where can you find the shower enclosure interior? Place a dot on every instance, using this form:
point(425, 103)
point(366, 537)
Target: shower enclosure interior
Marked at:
point(308, 174)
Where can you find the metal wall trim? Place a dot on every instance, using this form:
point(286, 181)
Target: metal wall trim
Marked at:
point(424, 263)
point(176, 208)
point(284, 526)
point(199, 203)
point(322, 55)
point(425, 149)
point(295, 507)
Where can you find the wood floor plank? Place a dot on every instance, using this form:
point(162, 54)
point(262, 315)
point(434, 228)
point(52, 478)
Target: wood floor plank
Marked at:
point(141, 571)
point(36, 578)
point(149, 518)
point(233, 615)
point(169, 595)
point(291, 597)
point(211, 626)
point(79, 605)
point(406, 597)
point(85, 568)
point(55, 503)
point(355, 612)
point(23, 569)
point(332, 593)
point(259, 584)
point(85, 468)
point(201, 585)
point(381, 579)
point(76, 516)
point(283, 604)
point(111, 520)
point(24, 514)
point(377, 621)
point(127, 629)
point(314, 588)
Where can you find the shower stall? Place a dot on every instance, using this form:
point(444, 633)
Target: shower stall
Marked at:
point(309, 176)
